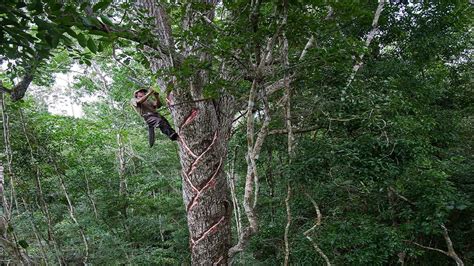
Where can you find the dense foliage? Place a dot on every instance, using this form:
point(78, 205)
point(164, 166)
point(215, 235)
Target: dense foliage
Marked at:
point(387, 160)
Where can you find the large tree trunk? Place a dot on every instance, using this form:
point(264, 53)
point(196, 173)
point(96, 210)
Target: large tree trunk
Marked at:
point(203, 127)
point(202, 154)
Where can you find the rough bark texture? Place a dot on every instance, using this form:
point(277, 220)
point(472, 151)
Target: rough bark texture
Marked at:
point(204, 128)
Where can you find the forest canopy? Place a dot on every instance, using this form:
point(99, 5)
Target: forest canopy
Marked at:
point(310, 132)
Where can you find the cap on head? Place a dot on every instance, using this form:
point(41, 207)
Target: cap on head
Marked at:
point(139, 90)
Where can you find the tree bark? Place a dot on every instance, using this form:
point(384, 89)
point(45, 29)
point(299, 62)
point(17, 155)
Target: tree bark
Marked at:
point(204, 129)
point(202, 152)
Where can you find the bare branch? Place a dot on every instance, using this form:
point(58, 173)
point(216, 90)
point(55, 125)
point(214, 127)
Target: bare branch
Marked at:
point(277, 85)
point(430, 248)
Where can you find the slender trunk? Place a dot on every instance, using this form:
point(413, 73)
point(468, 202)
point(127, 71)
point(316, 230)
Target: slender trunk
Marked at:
point(289, 126)
point(37, 233)
point(287, 227)
point(121, 165)
point(316, 224)
point(271, 183)
point(235, 201)
point(252, 176)
point(73, 218)
point(91, 198)
point(39, 189)
point(8, 154)
point(4, 214)
point(8, 240)
point(286, 66)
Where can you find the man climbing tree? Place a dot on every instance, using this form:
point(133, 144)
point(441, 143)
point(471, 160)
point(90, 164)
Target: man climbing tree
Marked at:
point(147, 109)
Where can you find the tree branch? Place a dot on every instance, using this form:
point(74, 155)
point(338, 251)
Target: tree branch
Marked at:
point(287, 227)
point(368, 40)
point(318, 223)
point(430, 248)
point(449, 243)
point(19, 90)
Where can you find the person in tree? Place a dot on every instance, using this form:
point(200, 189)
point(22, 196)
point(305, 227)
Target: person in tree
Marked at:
point(146, 107)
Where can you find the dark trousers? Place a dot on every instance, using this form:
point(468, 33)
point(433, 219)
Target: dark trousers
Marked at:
point(155, 120)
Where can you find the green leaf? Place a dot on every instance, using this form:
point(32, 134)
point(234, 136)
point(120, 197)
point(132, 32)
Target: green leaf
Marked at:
point(42, 25)
point(56, 7)
point(95, 21)
point(82, 40)
point(91, 45)
point(36, 6)
point(71, 32)
point(20, 5)
point(23, 244)
point(84, 5)
point(87, 22)
point(106, 20)
point(101, 5)
point(54, 39)
point(100, 48)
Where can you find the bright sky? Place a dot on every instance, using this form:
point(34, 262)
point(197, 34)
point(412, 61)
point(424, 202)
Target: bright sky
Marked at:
point(60, 98)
